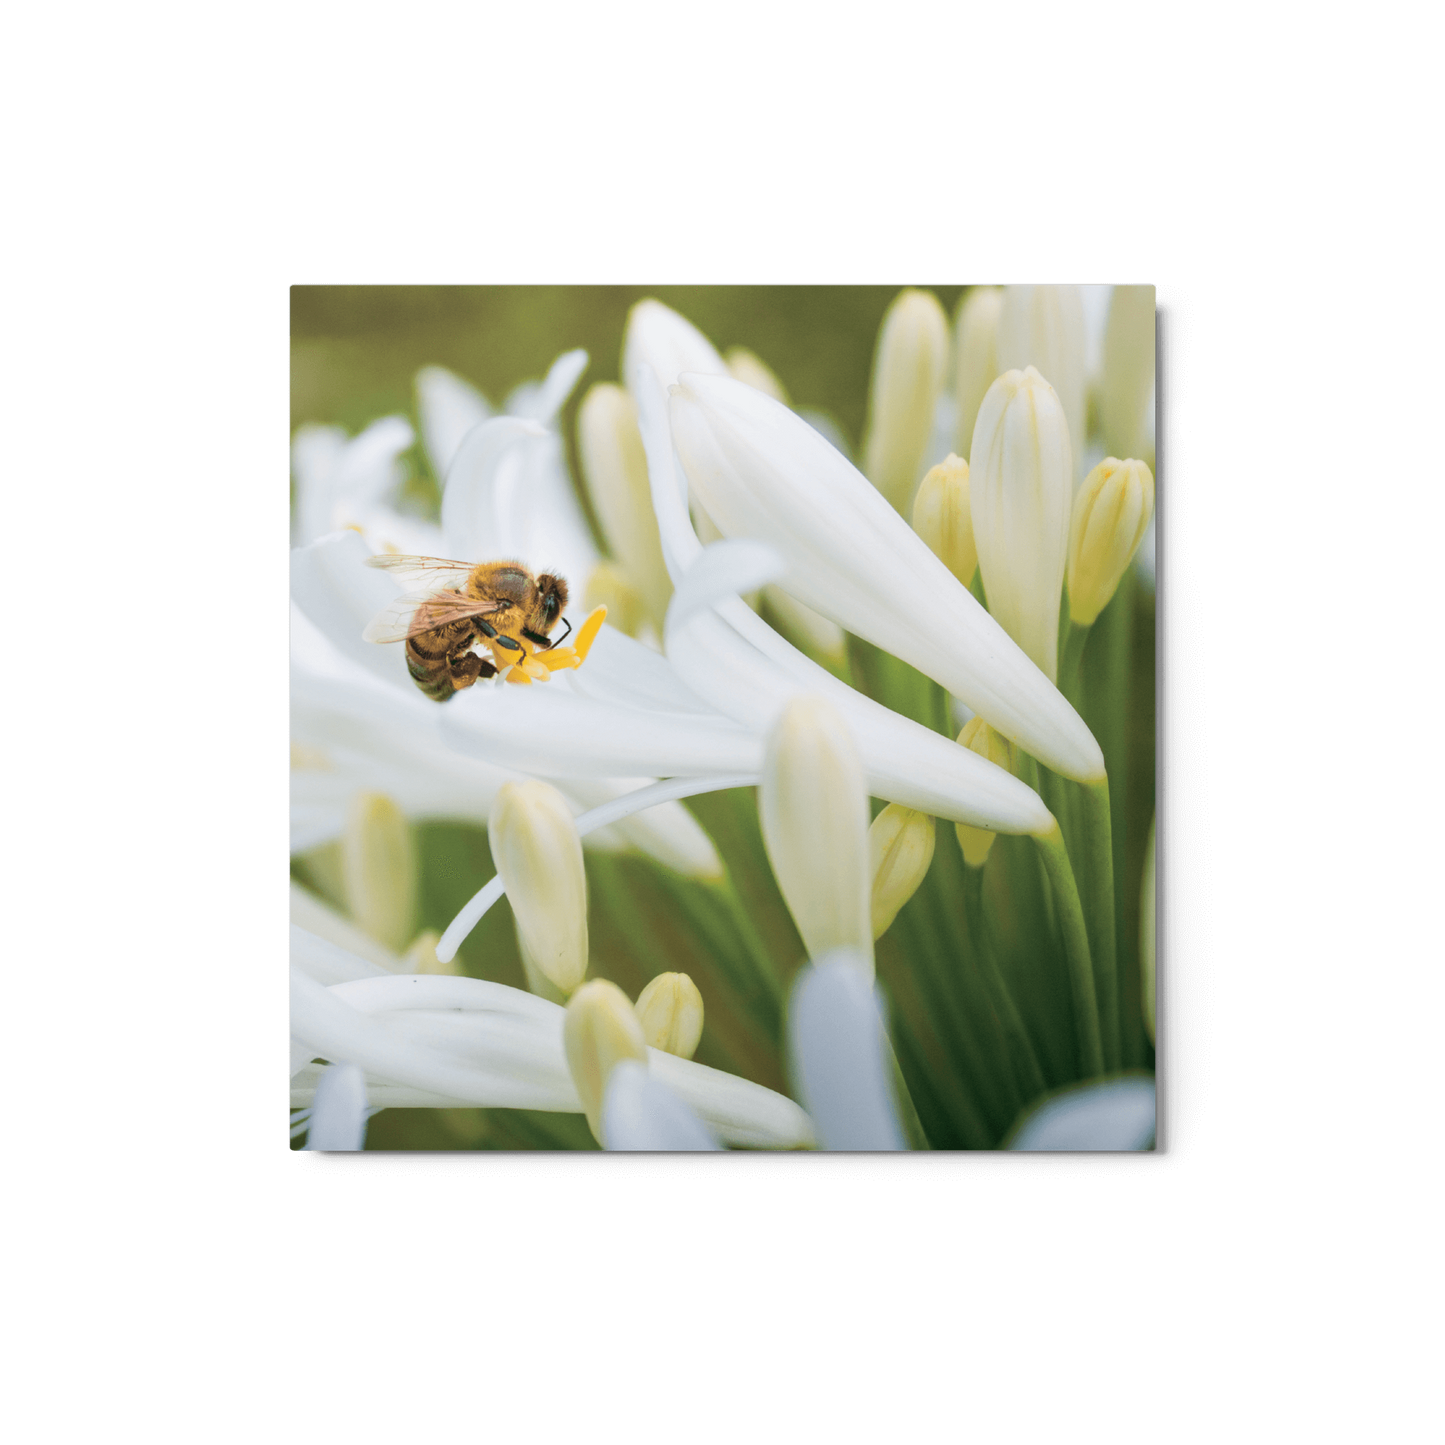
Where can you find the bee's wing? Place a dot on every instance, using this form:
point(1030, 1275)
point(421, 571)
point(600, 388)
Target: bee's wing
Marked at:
point(429, 572)
point(419, 612)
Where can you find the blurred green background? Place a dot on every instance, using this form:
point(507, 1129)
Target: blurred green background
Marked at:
point(355, 353)
point(355, 349)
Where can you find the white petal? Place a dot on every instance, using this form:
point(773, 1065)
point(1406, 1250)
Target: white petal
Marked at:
point(310, 914)
point(659, 338)
point(315, 451)
point(564, 375)
point(326, 962)
point(752, 676)
point(338, 1110)
point(641, 1114)
point(481, 488)
point(765, 474)
point(1117, 1116)
point(339, 595)
point(836, 1035)
point(362, 473)
point(449, 408)
point(553, 733)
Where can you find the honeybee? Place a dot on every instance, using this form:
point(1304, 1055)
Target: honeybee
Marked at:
point(464, 610)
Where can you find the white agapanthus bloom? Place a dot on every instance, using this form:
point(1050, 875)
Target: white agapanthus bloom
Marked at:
point(360, 720)
point(723, 458)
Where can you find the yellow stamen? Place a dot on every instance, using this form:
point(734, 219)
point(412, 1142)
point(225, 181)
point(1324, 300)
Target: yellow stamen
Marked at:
point(587, 633)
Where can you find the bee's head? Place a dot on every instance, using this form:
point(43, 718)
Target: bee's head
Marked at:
point(553, 601)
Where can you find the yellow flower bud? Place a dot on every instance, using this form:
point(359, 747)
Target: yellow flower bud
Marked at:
point(900, 849)
point(941, 516)
point(378, 869)
point(1111, 515)
point(670, 1010)
point(748, 367)
point(813, 804)
point(975, 356)
point(539, 854)
point(614, 467)
point(983, 740)
point(600, 1030)
point(1020, 491)
point(908, 369)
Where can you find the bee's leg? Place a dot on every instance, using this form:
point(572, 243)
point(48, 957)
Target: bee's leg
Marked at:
point(537, 638)
point(486, 627)
point(466, 668)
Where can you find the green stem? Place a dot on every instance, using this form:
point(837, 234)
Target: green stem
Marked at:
point(1028, 772)
point(1032, 1085)
point(907, 1114)
point(1076, 948)
point(1098, 859)
point(1071, 661)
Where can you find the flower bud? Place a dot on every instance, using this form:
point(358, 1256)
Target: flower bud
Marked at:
point(600, 1030)
point(1111, 515)
point(978, 737)
point(908, 369)
point(378, 869)
point(975, 356)
point(941, 516)
point(1020, 494)
point(1126, 380)
point(1043, 327)
point(539, 856)
point(752, 369)
point(900, 849)
point(670, 1009)
point(814, 809)
point(615, 470)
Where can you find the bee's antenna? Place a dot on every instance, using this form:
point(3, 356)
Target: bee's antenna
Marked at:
point(564, 636)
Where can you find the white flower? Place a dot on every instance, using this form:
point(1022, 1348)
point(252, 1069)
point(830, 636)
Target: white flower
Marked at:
point(975, 357)
point(362, 721)
point(1020, 493)
point(424, 1041)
